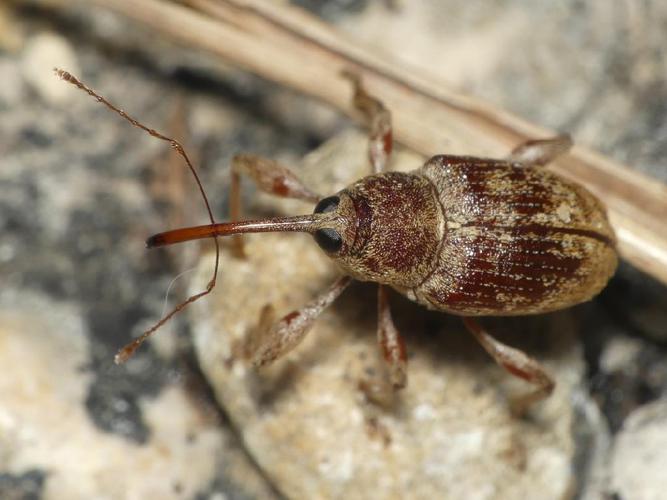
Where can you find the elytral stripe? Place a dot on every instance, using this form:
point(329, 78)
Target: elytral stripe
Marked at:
point(541, 230)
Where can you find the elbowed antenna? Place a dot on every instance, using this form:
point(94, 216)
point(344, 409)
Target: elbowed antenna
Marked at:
point(300, 223)
point(129, 349)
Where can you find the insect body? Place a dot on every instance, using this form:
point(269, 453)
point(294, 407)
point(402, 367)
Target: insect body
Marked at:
point(474, 237)
point(464, 235)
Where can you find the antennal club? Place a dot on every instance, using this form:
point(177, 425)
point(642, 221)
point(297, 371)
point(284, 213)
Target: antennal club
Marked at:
point(126, 352)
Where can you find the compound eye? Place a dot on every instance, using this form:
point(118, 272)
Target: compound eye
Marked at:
point(328, 239)
point(328, 204)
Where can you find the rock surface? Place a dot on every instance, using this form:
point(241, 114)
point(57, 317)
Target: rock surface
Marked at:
point(48, 440)
point(449, 434)
point(640, 454)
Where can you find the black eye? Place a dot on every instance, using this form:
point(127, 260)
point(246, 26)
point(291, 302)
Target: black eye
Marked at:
point(328, 239)
point(327, 205)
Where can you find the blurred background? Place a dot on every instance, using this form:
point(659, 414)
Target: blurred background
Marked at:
point(80, 190)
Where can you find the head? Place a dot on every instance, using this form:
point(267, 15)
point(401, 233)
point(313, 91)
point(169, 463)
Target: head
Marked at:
point(384, 228)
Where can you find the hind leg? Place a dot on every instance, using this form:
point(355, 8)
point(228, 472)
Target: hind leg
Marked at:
point(540, 152)
point(516, 362)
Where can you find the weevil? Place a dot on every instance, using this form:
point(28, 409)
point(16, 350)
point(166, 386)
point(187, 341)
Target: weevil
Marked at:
point(464, 235)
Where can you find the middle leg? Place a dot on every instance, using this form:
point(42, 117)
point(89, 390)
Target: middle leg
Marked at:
point(391, 342)
point(516, 362)
point(379, 119)
point(379, 150)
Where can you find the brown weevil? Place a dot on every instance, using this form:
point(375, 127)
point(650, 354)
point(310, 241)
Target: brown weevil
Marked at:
point(463, 235)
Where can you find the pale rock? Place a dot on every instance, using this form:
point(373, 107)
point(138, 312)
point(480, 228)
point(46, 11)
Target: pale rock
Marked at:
point(44, 424)
point(639, 458)
point(620, 353)
point(42, 54)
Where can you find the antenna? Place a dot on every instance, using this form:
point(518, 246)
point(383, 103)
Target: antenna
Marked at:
point(302, 223)
point(126, 352)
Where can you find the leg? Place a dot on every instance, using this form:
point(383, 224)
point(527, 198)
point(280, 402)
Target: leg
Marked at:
point(517, 363)
point(380, 387)
point(286, 334)
point(379, 118)
point(379, 150)
point(391, 342)
point(270, 177)
point(540, 152)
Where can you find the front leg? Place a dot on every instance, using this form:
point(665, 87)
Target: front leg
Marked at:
point(516, 362)
point(270, 177)
point(287, 333)
point(380, 146)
